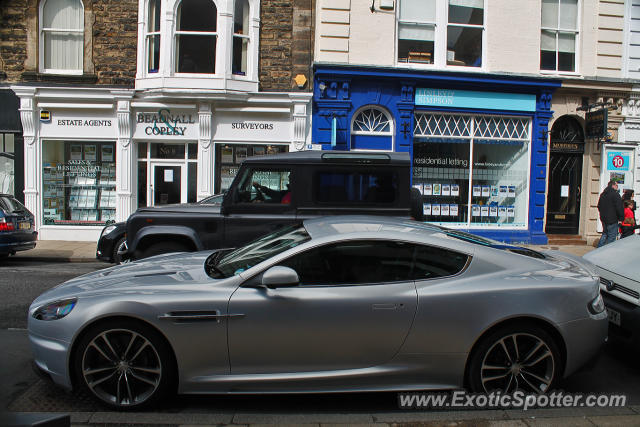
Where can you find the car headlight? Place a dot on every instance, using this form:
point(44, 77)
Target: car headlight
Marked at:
point(108, 229)
point(55, 310)
point(597, 305)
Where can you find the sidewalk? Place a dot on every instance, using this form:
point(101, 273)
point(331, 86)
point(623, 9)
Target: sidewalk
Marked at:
point(66, 251)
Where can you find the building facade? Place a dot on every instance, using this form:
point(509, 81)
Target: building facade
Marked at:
point(154, 102)
point(494, 113)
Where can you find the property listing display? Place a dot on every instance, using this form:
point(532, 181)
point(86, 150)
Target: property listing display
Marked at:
point(472, 171)
point(79, 183)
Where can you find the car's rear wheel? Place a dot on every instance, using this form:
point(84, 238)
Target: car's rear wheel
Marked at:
point(119, 250)
point(518, 357)
point(163, 248)
point(124, 364)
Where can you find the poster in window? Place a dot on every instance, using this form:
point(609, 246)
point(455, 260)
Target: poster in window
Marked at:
point(227, 154)
point(259, 151)
point(435, 210)
point(477, 191)
point(90, 152)
point(503, 191)
point(75, 152)
point(428, 190)
point(419, 187)
point(502, 211)
point(486, 191)
point(512, 191)
point(241, 154)
point(494, 190)
point(107, 153)
point(493, 210)
point(446, 189)
point(511, 211)
point(436, 189)
point(475, 210)
point(426, 209)
point(444, 210)
point(453, 209)
point(484, 210)
point(455, 190)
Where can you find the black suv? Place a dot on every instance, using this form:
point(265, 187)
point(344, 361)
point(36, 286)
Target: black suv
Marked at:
point(272, 191)
point(17, 231)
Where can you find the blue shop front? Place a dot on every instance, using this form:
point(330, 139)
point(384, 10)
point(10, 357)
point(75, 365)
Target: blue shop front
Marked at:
point(478, 142)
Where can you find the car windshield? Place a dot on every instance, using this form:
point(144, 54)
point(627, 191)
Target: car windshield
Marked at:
point(243, 258)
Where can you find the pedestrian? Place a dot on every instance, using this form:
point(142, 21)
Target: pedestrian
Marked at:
point(628, 226)
point(611, 213)
point(628, 195)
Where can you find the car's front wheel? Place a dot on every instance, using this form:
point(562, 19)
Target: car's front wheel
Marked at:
point(515, 358)
point(124, 364)
point(119, 250)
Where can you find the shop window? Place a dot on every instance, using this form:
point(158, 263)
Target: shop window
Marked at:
point(559, 35)
point(61, 36)
point(7, 165)
point(421, 24)
point(472, 171)
point(79, 182)
point(196, 37)
point(372, 129)
point(241, 38)
point(153, 36)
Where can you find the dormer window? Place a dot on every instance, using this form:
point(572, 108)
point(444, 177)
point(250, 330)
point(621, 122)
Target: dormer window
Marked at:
point(62, 36)
point(153, 36)
point(196, 37)
point(240, 37)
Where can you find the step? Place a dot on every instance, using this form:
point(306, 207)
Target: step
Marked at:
point(566, 239)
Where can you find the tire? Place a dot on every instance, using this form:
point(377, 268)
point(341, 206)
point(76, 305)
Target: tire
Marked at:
point(119, 249)
point(496, 365)
point(124, 364)
point(163, 248)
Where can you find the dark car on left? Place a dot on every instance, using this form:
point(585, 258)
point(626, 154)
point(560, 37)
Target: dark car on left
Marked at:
point(17, 231)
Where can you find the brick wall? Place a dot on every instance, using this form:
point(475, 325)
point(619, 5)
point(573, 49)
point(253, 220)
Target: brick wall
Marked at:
point(286, 44)
point(110, 34)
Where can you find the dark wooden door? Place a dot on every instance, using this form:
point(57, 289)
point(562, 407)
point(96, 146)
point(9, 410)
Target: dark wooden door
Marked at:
point(563, 197)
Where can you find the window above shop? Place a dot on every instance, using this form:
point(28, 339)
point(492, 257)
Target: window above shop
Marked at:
point(199, 44)
point(61, 36)
point(559, 35)
point(441, 33)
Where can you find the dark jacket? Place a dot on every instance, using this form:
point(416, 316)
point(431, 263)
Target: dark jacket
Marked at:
point(610, 206)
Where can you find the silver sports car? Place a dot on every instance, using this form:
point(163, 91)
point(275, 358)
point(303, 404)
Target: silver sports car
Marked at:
point(331, 304)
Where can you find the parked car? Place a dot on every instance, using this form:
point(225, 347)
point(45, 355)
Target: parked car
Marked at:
point(345, 303)
point(17, 232)
point(618, 265)
point(273, 191)
point(112, 244)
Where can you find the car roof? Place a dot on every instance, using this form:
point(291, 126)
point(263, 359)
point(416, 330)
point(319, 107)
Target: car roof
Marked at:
point(352, 224)
point(332, 157)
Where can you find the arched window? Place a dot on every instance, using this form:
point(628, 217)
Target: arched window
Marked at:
point(196, 37)
point(567, 129)
point(61, 36)
point(241, 38)
point(153, 36)
point(372, 129)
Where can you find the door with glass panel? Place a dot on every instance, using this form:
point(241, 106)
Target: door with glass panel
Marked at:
point(166, 184)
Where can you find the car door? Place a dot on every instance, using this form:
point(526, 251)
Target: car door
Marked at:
point(353, 308)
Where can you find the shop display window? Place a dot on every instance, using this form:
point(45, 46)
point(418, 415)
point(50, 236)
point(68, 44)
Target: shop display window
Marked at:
point(492, 190)
point(79, 183)
point(229, 157)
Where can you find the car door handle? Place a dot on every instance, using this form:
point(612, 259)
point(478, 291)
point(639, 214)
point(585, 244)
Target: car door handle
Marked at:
point(389, 306)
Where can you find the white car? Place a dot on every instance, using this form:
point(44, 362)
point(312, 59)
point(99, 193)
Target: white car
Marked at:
point(618, 265)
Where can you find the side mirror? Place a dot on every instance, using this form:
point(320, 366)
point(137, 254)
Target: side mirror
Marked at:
point(280, 277)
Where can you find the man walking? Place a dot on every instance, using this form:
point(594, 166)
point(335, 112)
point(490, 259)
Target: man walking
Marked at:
point(611, 212)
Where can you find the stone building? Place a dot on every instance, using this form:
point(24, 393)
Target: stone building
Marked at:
point(132, 103)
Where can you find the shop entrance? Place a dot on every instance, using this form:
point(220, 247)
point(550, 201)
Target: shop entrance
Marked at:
point(166, 184)
point(565, 177)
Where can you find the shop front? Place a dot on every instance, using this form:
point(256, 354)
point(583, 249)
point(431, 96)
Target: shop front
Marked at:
point(478, 143)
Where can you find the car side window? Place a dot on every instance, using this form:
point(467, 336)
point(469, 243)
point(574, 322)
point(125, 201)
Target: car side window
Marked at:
point(432, 262)
point(354, 263)
point(264, 185)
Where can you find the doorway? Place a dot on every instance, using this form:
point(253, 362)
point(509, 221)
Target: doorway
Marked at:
point(166, 184)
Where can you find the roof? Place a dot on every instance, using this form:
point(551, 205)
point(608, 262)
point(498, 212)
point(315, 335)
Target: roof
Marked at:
point(333, 157)
point(325, 226)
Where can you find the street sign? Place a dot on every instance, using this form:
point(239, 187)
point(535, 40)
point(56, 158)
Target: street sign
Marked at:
point(596, 123)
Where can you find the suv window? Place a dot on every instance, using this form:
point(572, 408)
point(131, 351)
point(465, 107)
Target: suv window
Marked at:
point(264, 185)
point(356, 187)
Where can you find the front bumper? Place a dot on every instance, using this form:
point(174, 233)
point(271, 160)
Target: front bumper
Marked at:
point(51, 357)
point(584, 339)
point(629, 330)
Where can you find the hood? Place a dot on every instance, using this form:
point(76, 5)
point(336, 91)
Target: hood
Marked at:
point(155, 272)
point(621, 257)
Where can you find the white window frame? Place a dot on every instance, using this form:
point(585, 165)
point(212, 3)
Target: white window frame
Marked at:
point(41, 42)
point(390, 133)
point(148, 35)
point(244, 36)
point(441, 24)
point(174, 44)
point(558, 29)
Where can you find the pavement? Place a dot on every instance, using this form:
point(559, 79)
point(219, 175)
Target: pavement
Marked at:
point(73, 251)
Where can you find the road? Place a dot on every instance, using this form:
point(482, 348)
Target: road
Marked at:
point(21, 280)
